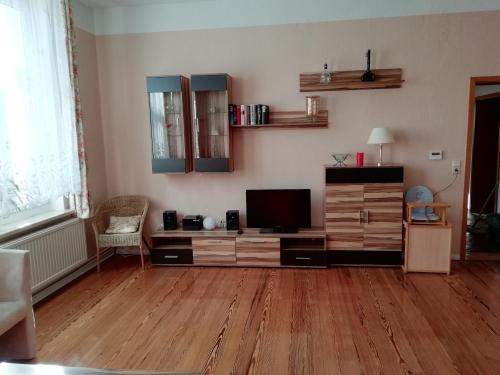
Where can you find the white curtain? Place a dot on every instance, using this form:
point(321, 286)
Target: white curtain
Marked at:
point(38, 141)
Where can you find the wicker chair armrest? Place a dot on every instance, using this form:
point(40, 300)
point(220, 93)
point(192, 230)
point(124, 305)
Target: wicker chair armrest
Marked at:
point(143, 216)
point(100, 222)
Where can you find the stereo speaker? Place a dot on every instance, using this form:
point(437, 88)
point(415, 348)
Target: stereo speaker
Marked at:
point(233, 220)
point(170, 220)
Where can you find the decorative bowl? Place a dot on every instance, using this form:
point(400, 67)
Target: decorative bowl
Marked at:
point(340, 159)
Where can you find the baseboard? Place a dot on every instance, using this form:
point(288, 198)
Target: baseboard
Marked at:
point(73, 275)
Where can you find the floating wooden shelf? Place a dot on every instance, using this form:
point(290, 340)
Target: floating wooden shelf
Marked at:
point(291, 119)
point(351, 80)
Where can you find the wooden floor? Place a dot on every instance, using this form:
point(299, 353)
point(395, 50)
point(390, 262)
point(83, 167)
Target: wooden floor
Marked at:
point(276, 321)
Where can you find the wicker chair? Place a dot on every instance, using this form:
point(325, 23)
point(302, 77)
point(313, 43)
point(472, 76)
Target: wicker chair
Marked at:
point(119, 206)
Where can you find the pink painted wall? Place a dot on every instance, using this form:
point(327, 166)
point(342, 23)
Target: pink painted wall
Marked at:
point(91, 111)
point(438, 54)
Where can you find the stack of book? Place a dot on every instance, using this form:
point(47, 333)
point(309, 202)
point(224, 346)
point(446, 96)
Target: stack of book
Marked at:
point(247, 115)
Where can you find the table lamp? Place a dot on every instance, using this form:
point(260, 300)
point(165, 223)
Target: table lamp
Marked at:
point(380, 136)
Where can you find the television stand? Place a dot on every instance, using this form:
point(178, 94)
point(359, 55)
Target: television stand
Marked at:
point(278, 230)
point(249, 248)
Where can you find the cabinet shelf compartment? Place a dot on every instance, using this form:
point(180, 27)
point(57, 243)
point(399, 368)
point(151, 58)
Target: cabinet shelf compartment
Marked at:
point(304, 244)
point(351, 80)
point(170, 124)
point(171, 251)
point(291, 119)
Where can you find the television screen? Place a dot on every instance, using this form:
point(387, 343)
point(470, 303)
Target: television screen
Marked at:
point(287, 208)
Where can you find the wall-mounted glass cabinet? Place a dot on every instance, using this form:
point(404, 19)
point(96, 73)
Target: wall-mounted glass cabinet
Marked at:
point(170, 124)
point(212, 140)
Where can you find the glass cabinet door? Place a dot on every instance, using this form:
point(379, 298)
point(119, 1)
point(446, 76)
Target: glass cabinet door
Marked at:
point(170, 138)
point(211, 131)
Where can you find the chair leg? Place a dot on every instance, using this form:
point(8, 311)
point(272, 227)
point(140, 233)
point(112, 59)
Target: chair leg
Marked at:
point(141, 250)
point(98, 259)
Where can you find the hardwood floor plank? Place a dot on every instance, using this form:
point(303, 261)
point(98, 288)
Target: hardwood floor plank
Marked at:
point(468, 341)
point(86, 293)
point(276, 321)
point(345, 350)
point(271, 350)
point(405, 316)
point(404, 358)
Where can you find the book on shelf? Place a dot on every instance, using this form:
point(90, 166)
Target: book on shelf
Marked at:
point(231, 114)
point(248, 115)
point(238, 115)
point(243, 111)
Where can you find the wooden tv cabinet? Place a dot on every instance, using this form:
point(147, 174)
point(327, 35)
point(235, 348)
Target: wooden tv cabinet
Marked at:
point(307, 248)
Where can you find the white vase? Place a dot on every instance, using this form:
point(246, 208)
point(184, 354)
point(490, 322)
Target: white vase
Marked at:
point(209, 223)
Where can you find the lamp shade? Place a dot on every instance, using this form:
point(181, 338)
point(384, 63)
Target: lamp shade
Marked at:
point(380, 136)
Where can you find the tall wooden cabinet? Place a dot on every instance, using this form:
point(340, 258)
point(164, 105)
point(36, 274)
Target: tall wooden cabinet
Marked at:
point(364, 215)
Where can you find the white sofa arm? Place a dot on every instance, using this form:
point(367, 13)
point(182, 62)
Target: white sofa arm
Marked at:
point(15, 276)
point(18, 341)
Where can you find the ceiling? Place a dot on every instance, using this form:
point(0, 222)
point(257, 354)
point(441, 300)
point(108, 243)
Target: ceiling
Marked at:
point(110, 17)
point(117, 3)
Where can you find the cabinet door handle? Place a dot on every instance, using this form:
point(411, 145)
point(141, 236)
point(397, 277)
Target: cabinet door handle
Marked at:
point(367, 220)
point(171, 256)
point(302, 258)
point(256, 241)
point(360, 216)
point(214, 241)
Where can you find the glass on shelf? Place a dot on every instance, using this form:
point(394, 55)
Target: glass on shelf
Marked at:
point(170, 124)
point(211, 126)
point(167, 125)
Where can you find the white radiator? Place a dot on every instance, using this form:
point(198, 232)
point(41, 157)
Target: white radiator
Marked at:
point(54, 251)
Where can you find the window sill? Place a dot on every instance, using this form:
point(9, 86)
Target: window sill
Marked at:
point(27, 225)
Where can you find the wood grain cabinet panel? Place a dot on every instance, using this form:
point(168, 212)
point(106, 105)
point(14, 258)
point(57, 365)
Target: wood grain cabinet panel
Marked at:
point(214, 251)
point(383, 216)
point(364, 216)
point(427, 248)
point(344, 216)
point(255, 251)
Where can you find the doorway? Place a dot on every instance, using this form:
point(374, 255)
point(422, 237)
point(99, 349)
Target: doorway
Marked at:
point(481, 206)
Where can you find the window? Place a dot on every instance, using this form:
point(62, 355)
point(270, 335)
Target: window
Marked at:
point(38, 141)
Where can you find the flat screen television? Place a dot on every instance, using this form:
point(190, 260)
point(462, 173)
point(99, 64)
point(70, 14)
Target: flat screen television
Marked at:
point(279, 210)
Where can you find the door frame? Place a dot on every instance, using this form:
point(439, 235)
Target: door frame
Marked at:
point(474, 81)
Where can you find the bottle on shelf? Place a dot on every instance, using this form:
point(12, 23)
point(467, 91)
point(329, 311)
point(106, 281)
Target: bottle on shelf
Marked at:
point(325, 76)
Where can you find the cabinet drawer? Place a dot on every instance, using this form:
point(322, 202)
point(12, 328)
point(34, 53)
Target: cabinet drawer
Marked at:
point(258, 251)
point(214, 251)
point(355, 175)
point(162, 256)
point(305, 258)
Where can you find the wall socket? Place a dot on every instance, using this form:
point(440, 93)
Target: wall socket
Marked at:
point(456, 167)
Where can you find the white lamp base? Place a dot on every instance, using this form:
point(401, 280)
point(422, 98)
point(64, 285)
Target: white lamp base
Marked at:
point(380, 162)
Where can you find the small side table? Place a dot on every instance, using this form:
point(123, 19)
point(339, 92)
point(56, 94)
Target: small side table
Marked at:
point(427, 248)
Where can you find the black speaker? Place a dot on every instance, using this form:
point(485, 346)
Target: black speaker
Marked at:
point(170, 220)
point(233, 220)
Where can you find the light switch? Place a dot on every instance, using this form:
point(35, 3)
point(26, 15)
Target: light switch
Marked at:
point(436, 155)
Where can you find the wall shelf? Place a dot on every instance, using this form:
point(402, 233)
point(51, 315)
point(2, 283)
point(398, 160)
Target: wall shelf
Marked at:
point(351, 80)
point(291, 119)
